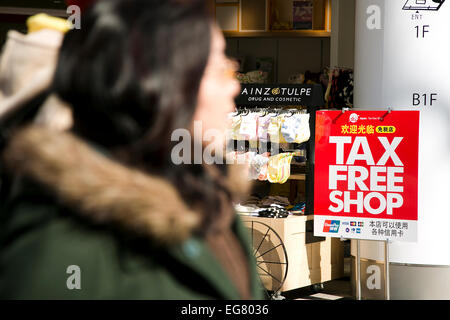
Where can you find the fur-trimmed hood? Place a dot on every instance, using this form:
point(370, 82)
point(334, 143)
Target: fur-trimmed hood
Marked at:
point(98, 187)
point(104, 190)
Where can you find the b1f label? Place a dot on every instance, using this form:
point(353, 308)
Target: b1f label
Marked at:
point(425, 99)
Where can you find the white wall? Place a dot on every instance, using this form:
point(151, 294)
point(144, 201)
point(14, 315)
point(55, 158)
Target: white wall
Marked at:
point(393, 63)
point(342, 33)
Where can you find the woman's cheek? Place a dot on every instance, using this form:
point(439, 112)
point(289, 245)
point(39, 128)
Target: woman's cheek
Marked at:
point(235, 88)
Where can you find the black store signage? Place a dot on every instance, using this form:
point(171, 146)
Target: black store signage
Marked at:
point(280, 94)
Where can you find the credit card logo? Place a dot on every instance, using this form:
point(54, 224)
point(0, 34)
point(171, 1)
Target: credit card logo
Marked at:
point(331, 226)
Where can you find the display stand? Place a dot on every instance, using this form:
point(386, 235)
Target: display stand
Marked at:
point(358, 270)
point(386, 270)
point(310, 96)
point(380, 122)
point(291, 257)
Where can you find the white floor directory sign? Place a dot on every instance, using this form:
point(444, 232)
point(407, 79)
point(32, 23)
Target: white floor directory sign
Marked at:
point(402, 52)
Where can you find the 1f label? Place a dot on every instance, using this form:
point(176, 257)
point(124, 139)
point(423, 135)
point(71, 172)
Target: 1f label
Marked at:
point(422, 30)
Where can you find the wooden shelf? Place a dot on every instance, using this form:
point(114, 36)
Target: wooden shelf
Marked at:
point(22, 11)
point(279, 34)
point(298, 176)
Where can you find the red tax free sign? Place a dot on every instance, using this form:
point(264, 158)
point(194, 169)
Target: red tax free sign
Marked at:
point(367, 168)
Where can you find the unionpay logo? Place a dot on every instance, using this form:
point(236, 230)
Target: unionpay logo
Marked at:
point(331, 226)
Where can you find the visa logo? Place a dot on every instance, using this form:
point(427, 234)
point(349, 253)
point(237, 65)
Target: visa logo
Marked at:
point(331, 226)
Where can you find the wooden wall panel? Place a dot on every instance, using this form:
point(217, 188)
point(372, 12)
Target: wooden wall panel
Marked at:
point(253, 14)
point(297, 56)
point(227, 17)
point(319, 14)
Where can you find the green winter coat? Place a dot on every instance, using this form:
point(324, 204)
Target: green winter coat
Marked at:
point(110, 233)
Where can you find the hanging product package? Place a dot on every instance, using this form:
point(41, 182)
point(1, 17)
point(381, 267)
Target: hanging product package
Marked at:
point(274, 129)
point(235, 127)
point(279, 168)
point(249, 126)
point(258, 167)
point(263, 126)
point(295, 128)
point(304, 132)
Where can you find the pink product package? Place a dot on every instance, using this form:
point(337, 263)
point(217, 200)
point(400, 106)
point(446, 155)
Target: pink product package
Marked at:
point(263, 125)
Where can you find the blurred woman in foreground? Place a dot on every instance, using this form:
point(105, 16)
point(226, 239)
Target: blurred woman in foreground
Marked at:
point(102, 211)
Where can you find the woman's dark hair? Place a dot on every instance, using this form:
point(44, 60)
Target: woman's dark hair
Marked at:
point(132, 75)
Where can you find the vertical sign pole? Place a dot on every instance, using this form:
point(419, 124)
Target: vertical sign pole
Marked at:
point(386, 270)
point(358, 270)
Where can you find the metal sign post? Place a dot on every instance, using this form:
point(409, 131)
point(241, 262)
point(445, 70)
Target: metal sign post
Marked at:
point(386, 271)
point(358, 270)
point(387, 293)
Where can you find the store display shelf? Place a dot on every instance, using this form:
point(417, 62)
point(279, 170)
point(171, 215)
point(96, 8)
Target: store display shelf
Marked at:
point(29, 11)
point(300, 176)
point(279, 34)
